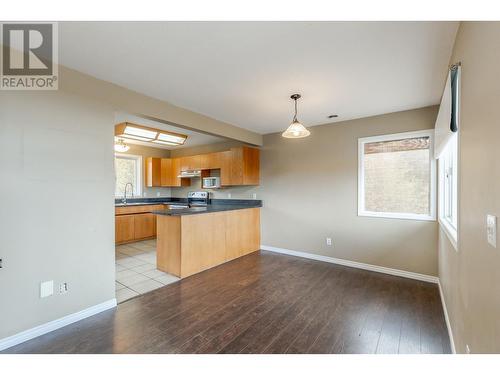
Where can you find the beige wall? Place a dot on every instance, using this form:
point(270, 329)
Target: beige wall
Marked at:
point(309, 188)
point(144, 151)
point(469, 276)
point(57, 209)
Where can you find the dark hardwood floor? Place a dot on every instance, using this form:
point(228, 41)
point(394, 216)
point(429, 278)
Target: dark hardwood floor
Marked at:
point(265, 303)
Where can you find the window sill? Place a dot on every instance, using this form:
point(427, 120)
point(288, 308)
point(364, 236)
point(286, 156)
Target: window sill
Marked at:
point(389, 215)
point(450, 232)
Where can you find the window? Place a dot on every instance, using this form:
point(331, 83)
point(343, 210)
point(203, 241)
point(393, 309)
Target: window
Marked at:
point(448, 189)
point(396, 176)
point(128, 170)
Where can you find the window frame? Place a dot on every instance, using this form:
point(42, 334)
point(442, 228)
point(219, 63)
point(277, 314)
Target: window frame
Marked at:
point(450, 227)
point(137, 189)
point(432, 170)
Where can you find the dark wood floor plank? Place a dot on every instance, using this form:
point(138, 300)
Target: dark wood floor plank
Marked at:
point(265, 302)
point(227, 327)
point(344, 315)
point(310, 303)
point(304, 341)
point(258, 332)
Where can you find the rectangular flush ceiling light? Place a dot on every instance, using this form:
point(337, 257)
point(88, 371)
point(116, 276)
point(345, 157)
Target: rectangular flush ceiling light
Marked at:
point(146, 134)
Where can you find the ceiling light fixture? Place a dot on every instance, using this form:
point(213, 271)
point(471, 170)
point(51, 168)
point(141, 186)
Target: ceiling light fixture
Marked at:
point(121, 146)
point(145, 134)
point(296, 129)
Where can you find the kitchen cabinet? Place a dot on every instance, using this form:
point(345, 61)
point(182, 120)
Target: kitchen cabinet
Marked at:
point(189, 163)
point(135, 223)
point(124, 228)
point(238, 166)
point(144, 226)
point(153, 172)
point(188, 244)
point(170, 170)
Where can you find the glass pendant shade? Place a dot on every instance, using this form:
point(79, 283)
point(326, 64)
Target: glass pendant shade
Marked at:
point(296, 129)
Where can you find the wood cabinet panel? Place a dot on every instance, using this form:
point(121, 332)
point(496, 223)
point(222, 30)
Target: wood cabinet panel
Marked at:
point(124, 228)
point(203, 242)
point(166, 172)
point(175, 172)
point(240, 166)
point(135, 223)
point(127, 210)
point(144, 226)
point(242, 232)
point(190, 162)
point(225, 158)
point(168, 229)
point(251, 166)
point(153, 172)
point(193, 243)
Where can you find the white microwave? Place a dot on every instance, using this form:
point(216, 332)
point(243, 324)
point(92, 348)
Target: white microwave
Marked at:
point(211, 182)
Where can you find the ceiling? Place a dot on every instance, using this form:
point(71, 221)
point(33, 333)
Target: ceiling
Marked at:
point(193, 138)
point(244, 72)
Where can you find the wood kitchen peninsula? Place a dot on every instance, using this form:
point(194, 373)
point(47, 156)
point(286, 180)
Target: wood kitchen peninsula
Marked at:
point(195, 239)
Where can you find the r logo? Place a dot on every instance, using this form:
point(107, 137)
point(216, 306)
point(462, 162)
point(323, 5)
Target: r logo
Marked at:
point(27, 49)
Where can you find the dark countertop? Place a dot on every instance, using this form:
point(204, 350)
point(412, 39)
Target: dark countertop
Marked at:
point(215, 207)
point(146, 203)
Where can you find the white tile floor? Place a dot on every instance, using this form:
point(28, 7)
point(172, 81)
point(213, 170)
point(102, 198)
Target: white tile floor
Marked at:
point(136, 271)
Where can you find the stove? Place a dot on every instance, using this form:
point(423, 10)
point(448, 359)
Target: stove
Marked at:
point(198, 198)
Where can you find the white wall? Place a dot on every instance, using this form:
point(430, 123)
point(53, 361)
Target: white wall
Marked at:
point(56, 205)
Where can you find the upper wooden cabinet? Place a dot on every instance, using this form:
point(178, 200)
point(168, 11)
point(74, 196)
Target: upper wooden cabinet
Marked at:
point(164, 172)
point(153, 172)
point(189, 163)
point(238, 166)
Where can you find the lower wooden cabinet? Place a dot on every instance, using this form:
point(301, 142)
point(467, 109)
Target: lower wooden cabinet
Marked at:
point(135, 223)
point(124, 228)
point(192, 243)
point(144, 226)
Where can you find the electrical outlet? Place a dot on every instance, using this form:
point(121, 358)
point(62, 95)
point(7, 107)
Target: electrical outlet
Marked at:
point(229, 195)
point(491, 230)
point(254, 195)
point(328, 241)
point(46, 288)
point(63, 288)
point(158, 194)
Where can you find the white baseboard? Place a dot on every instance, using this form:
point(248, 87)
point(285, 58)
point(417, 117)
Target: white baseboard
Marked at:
point(55, 324)
point(350, 263)
point(447, 319)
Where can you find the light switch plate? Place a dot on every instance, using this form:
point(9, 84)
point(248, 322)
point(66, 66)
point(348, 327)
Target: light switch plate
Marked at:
point(491, 230)
point(46, 288)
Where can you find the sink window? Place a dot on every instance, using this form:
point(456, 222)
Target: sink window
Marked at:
point(396, 176)
point(128, 169)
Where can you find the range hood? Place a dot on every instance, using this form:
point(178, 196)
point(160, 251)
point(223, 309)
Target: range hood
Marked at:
point(189, 174)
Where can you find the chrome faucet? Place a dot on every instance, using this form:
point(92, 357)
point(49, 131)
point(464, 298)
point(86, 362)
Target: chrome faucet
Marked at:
point(124, 200)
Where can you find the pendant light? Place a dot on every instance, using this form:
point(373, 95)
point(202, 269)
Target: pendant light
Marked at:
point(296, 129)
point(121, 146)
